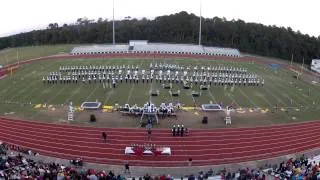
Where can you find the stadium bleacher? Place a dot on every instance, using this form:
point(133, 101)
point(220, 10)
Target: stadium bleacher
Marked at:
point(158, 48)
point(315, 65)
point(100, 49)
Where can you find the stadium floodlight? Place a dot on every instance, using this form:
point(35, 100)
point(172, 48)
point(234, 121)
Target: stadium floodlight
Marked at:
point(200, 23)
point(113, 33)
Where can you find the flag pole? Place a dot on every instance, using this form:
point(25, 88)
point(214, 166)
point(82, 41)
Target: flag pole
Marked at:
point(6, 56)
point(18, 56)
point(113, 33)
point(291, 61)
point(200, 23)
point(302, 66)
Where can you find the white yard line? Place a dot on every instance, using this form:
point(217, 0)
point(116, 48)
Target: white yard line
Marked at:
point(268, 102)
point(273, 77)
point(212, 96)
point(37, 88)
point(56, 95)
point(275, 96)
point(132, 87)
point(269, 92)
point(293, 95)
point(227, 94)
point(254, 104)
point(48, 102)
point(24, 89)
point(79, 84)
point(71, 96)
point(93, 91)
point(151, 84)
point(39, 94)
point(150, 89)
point(193, 99)
point(21, 71)
point(108, 97)
point(262, 97)
point(233, 100)
point(130, 93)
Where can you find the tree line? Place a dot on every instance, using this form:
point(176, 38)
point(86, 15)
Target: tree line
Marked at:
point(181, 27)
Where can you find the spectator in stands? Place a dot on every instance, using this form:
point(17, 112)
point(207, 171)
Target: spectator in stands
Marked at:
point(163, 177)
point(77, 162)
point(201, 176)
point(147, 177)
point(191, 177)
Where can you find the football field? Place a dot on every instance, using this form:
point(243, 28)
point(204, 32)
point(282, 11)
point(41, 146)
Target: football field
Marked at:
point(25, 87)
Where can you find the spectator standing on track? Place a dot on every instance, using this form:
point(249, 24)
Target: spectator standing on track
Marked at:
point(104, 136)
point(149, 134)
point(190, 162)
point(127, 168)
point(187, 132)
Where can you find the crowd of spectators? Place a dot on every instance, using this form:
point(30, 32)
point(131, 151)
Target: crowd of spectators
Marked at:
point(299, 168)
point(17, 166)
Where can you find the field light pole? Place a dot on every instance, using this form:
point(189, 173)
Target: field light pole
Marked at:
point(18, 56)
point(200, 23)
point(113, 35)
point(6, 56)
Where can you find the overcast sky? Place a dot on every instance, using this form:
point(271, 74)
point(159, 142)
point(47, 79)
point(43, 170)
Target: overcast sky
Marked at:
point(25, 15)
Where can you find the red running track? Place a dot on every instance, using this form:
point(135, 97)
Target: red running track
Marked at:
point(205, 147)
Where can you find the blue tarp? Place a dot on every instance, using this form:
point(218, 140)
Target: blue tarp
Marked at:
point(274, 66)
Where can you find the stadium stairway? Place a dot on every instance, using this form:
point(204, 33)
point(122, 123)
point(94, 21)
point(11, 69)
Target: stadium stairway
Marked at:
point(205, 147)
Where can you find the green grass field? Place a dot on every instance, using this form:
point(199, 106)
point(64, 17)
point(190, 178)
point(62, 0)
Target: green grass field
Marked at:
point(280, 88)
point(11, 55)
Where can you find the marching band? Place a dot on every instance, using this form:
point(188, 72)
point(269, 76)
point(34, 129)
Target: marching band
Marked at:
point(161, 73)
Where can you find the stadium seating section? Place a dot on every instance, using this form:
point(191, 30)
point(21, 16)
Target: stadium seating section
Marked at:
point(157, 48)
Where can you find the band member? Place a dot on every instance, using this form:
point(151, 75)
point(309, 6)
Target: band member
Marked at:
point(182, 130)
point(114, 83)
point(174, 130)
point(178, 131)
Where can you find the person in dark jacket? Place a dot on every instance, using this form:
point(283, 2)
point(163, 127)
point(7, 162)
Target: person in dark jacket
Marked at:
point(104, 136)
point(126, 167)
point(149, 134)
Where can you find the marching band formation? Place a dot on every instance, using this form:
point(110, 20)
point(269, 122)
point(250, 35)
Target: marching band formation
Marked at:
point(149, 107)
point(161, 73)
